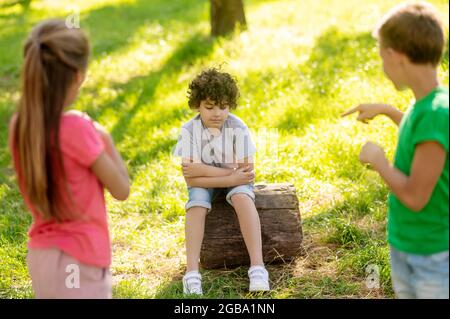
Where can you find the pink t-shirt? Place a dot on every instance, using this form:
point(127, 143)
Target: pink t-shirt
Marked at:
point(87, 238)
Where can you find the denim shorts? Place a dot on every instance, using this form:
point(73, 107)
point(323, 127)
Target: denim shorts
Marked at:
point(419, 276)
point(202, 197)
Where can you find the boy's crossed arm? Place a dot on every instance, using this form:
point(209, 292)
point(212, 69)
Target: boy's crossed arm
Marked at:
point(207, 176)
point(191, 169)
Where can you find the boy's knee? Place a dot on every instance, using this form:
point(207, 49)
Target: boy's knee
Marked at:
point(239, 197)
point(198, 210)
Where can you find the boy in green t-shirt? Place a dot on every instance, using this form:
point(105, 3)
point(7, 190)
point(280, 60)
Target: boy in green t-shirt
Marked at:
point(411, 40)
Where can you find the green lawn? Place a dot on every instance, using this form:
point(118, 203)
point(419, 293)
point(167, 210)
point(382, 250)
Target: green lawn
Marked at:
point(299, 65)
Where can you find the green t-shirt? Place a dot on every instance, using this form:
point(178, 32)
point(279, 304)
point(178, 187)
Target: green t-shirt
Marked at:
point(424, 232)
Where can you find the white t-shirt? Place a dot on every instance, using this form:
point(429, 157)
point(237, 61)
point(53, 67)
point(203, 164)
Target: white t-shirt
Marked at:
point(233, 144)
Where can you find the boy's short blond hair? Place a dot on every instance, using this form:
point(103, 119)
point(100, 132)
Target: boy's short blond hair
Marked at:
point(414, 30)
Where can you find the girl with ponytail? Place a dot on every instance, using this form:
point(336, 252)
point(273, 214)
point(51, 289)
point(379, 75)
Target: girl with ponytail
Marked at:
point(63, 160)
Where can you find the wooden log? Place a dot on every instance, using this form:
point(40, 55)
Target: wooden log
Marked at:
point(281, 231)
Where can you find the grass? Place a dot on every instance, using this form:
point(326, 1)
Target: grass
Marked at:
point(298, 66)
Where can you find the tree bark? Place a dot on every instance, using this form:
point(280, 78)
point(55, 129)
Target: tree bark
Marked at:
point(281, 231)
point(225, 14)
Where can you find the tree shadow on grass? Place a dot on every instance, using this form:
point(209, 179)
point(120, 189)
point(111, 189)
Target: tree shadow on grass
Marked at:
point(14, 217)
point(357, 238)
point(334, 58)
point(337, 55)
point(193, 49)
point(284, 278)
point(14, 223)
point(109, 27)
point(144, 89)
point(112, 26)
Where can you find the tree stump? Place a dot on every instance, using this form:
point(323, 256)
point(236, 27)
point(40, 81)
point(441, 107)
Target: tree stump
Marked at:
point(277, 204)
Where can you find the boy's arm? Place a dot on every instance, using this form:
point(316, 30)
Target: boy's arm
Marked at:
point(369, 111)
point(240, 176)
point(394, 114)
point(199, 169)
point(413, 191)
point(247, 163)
point(193, 175)
point(209, 182)
point(191, 169)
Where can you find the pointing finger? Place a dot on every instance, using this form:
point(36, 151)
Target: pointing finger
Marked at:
point(351, 111)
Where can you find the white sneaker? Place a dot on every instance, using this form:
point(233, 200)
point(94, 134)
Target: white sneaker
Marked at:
point(259, 278)
point(192, 283)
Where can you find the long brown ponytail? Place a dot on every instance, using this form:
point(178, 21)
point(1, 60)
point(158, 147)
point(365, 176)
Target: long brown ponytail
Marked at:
point(53, 56)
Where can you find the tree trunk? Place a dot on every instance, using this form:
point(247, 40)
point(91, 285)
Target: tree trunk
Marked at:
point(281, 232)
point(225, 14)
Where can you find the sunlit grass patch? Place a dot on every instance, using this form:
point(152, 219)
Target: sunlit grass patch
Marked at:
point(299, 65)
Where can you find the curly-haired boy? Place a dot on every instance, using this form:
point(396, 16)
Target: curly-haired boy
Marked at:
point(217, 155)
